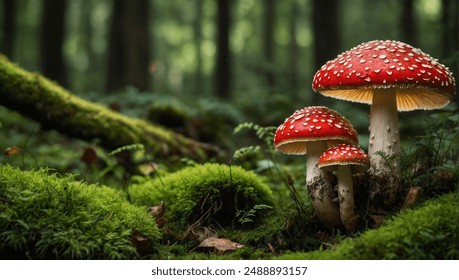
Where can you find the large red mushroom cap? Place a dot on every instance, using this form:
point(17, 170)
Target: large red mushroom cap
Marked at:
point(344, 154)
point(421, 81)
point(316, 123)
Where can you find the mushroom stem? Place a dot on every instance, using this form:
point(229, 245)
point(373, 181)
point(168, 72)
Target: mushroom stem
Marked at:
point(320, 188)
point(385, 138)
point(346, 198)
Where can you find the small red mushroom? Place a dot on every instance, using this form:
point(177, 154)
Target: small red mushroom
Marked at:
point(346, 159)
point(311, 131)
point(390, 76)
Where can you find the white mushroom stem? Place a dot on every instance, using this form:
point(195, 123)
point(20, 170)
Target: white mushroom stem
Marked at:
point(384, 137)
point(319, 187)
point(346, 198)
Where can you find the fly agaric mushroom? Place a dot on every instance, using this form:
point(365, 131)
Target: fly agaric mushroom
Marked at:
point(390, 76)
point(346, 159)
point(311, 131)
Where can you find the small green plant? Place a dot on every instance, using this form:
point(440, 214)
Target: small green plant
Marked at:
point(244, 217)
point(263, 133)
point(133, 147)
point(266, 134)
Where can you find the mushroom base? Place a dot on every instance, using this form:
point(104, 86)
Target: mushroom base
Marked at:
point(325, 201)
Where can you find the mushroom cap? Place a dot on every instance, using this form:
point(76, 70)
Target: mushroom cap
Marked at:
point(344, 154)
point(421, 81)
point(316, 123)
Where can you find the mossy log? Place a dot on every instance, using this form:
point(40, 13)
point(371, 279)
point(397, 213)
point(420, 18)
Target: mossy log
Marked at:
point(54, 107)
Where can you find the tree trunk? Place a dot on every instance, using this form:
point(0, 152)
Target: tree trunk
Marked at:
point(326, 30)
point(326, 35)
point(9, 20)
point(129, 53)
point(198, 79)
point(407, 23)
point(269, 19)
point(55, 108)
point(223, 64)
point(52, 39)
point(293, 75)
point(450, 36)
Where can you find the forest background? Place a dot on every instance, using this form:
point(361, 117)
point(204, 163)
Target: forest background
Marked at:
point(176, 62)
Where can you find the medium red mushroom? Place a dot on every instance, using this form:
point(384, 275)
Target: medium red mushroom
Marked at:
point(346, 159)
point(311, 131)
point(391, 76)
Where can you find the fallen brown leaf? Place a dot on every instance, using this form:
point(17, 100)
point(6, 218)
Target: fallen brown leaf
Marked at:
point(219, 245)
point(140, 243)
point(12, 151)
point(89, 155)
point(411, 197)
point(158, 211)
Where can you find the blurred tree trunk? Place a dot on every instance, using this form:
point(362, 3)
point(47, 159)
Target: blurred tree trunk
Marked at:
point(53, 24)
point(9, 19)
point(198, 41)
point(326, 35)
point(293, 79)
point(93, 82)
point(450, 37)
point(407, 23)
point(269, 7)
point(128, 51)
point(223, 64)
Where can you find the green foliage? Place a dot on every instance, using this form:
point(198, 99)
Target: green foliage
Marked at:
point(209, 192)
point(263, 133)
point(266, 134)
point(431, 161)
point(45, 216)
point(133, 147)
point(428, 232)
point(244, 217)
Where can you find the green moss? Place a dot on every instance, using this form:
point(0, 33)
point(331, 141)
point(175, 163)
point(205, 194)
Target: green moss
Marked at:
point(45, 216)
point(428, 232)
point(210, 190)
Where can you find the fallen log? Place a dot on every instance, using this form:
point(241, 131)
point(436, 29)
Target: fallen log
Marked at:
point(56, 108)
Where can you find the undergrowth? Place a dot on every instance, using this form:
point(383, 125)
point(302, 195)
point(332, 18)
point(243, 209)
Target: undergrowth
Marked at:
point(430, 162)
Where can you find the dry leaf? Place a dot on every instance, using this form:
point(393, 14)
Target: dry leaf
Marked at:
point(377, 219)
point(89, 155)
point(413, 195)
point(14, 150)
point(161, 222)
point(219, 245)
point(158, 211)
point(140, 243)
